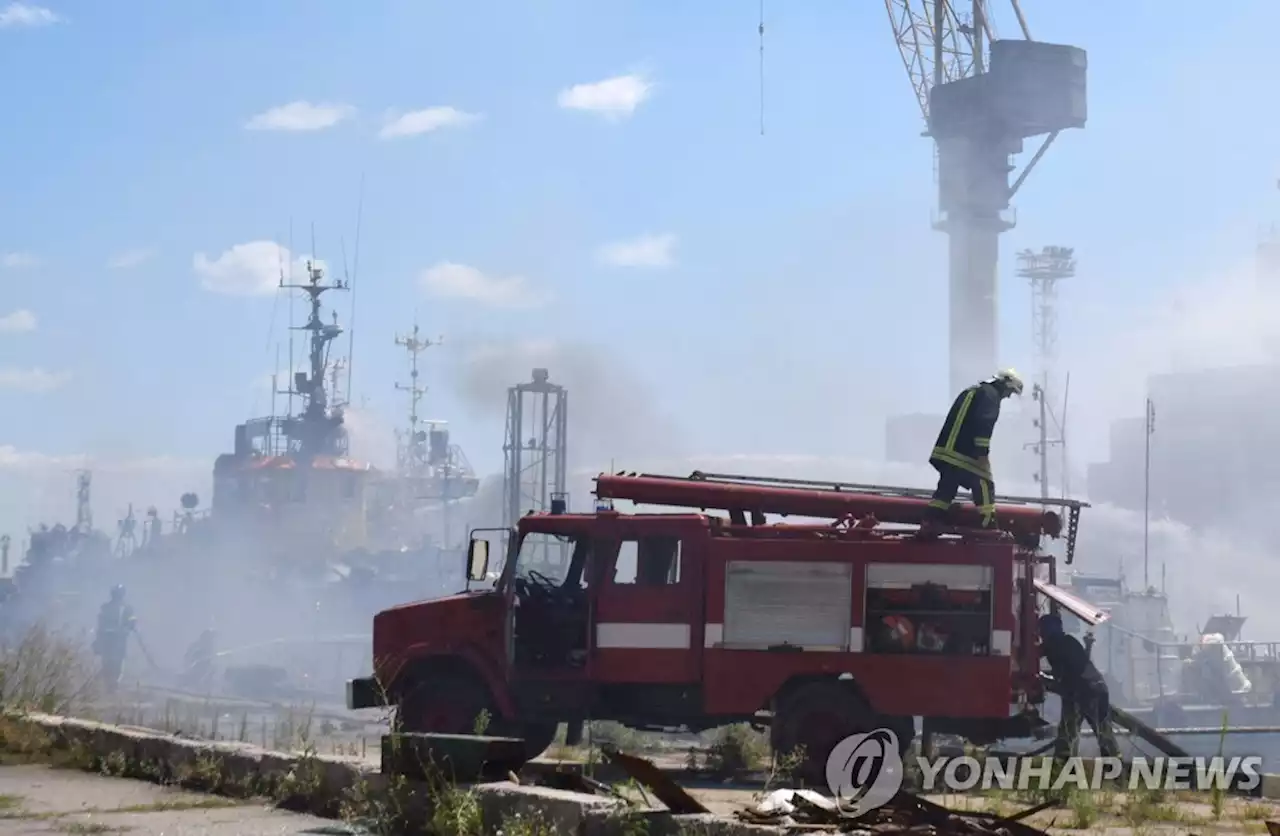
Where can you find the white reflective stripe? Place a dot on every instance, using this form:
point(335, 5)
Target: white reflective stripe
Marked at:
point(643, 636)
point(714, 635)
point(1001, 642)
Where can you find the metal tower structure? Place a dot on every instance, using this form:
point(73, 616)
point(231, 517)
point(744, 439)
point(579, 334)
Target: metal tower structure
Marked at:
point(1044, 270)
point(536, 474)
point(412, 450)
point(981, 97)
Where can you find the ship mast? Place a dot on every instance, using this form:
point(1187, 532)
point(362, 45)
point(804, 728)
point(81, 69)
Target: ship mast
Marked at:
point(413, 448)
point(317, 431)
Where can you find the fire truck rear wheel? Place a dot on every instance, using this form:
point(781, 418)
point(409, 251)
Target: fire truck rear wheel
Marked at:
point(816, 717)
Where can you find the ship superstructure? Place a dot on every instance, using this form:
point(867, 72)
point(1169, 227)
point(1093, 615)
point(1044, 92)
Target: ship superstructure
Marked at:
point(292, 473)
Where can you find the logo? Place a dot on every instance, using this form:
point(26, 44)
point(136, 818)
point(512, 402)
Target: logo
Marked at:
point(865, 771)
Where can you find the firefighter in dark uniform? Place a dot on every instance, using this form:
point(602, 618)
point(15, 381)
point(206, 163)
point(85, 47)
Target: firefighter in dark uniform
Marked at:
point(960, 453)
point(115, 622)
point(1082, 689)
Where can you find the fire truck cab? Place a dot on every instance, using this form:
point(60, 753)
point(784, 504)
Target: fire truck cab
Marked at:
point(853, 620)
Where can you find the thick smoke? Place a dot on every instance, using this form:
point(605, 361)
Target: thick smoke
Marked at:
point(612, 411)
point(370, 438)
point(1215, 325)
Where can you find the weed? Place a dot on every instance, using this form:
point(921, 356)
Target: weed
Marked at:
point(1084, 809)
point(1256, 812)
point(481, 724)
point(1143, 806)
point(608, 733)
point(45, 671)
point(526, 824)
point(733, 750)
point(457, 813)
point(10, 802)
point(783, 766)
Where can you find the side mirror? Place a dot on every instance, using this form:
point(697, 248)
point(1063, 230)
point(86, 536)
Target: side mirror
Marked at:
point(477, 560)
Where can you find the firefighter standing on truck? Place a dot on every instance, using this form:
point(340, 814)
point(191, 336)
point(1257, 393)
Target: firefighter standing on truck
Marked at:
point(1083, 691)
point(960, 453)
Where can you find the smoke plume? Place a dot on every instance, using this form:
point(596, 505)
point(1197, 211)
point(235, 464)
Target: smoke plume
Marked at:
point(612, 411)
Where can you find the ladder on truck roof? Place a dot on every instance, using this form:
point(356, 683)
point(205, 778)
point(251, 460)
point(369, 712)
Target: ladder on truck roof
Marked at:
point(760, 495)
point(870, 490)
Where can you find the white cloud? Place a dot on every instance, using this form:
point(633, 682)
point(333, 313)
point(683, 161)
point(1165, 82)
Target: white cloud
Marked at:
point(300, 116)
point(458, 281)
point(250, 269)
point(645, 251)
point(131, 258)
point(426, 121)
point(14, 261)
point(614, 98)
point(21, 14)
point(18, 322)
point(33, 380)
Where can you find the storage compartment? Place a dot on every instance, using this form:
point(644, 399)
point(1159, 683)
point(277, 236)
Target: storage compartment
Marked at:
point(776, 604)
point(938, 609)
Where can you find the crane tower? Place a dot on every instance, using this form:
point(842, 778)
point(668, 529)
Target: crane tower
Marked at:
point(981, 97)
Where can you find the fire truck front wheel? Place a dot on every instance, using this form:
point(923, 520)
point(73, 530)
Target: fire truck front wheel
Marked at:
point(454, 703)
point(815, 717)
point(447, 703)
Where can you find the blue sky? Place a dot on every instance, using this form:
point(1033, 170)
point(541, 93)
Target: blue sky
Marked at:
point(791, 293)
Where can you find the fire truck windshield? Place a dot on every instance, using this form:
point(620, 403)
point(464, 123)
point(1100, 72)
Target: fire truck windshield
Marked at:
point(545, 558)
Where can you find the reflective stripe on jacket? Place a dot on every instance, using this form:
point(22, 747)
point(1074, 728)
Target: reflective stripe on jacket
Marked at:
point(966, 433)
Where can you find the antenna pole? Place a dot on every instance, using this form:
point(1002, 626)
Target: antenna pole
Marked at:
point(1146, 496)
point(413, 457)
point(351, 283)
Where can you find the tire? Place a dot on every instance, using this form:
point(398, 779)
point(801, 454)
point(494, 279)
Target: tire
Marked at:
point(452, 704)
point(447, 704)
point(817, 716)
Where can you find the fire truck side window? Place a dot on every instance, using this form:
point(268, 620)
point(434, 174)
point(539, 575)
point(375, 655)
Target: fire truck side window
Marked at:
point(648, 561)
point(938, 609)
point(550, 557)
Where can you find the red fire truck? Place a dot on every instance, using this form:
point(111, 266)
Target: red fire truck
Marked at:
point(850, 619)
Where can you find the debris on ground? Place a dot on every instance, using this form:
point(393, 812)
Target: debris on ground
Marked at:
point(648, 776)
point(906, 813)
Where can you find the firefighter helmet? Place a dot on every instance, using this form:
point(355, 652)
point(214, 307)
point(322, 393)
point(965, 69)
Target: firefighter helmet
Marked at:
point(901, 633)
point(1009, 379)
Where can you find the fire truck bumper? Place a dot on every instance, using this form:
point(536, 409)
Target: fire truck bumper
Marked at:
point(364, 693)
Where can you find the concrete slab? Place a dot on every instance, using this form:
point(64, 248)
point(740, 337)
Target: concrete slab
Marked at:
point(38, 799)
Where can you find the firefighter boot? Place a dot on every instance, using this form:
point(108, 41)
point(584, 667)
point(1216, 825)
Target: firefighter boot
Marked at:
point(936, 515)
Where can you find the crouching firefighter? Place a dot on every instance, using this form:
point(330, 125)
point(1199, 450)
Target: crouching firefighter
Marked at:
point(960, 453)
point(1083, 691)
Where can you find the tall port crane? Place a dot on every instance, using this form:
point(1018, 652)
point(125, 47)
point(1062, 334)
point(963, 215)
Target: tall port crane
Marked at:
point(981, 97)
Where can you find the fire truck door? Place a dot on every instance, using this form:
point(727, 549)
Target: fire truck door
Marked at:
point(648, 617)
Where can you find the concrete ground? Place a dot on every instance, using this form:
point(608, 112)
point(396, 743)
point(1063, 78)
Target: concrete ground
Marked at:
point(36, 799)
